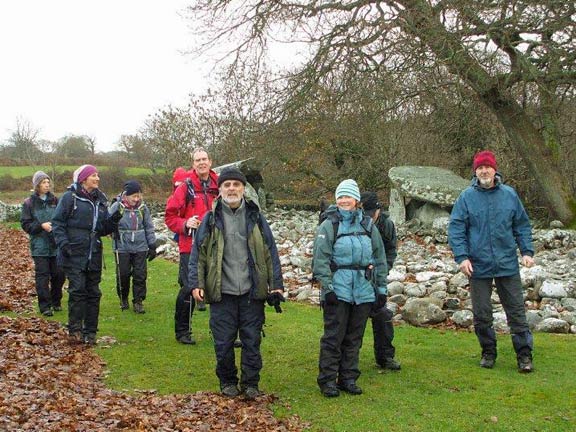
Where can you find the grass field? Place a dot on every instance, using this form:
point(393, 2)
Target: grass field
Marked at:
point(28, 171)
point(440, 386)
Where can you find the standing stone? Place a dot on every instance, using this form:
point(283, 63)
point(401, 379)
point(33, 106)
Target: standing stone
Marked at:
point(397, 207)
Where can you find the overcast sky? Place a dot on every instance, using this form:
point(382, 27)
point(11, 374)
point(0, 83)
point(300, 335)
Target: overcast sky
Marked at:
point(96, 68)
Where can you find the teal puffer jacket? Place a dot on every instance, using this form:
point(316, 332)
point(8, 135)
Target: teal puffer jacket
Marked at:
point(36, 211)
point(488, 226)
point(357, 245)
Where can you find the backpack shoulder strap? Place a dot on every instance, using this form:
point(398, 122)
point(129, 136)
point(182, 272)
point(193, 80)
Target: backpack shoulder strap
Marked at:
point(190, 192)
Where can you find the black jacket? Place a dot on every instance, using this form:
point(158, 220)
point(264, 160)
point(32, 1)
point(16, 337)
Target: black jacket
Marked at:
point(79, 221)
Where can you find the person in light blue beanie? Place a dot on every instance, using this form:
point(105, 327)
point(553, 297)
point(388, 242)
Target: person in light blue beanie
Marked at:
point(350, 265)
point(349, 188)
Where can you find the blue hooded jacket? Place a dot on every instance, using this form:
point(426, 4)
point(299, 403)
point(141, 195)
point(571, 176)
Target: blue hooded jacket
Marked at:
point(487, 226)
point(351, 248)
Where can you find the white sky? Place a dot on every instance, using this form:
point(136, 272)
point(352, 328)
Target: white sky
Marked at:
point(96, 68)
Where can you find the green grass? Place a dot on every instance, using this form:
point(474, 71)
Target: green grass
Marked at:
point(28, 171)
point(440, 387)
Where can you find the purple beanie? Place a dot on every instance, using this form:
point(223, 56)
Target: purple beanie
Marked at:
point(83, 172)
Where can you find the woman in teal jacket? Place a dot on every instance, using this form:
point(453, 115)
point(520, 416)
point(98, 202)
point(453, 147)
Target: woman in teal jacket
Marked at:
point(350, 264)
point(37, 212)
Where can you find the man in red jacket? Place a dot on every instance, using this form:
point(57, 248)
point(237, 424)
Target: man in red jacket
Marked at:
point(185, 208)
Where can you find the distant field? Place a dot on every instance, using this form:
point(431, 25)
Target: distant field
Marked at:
point(28, 171)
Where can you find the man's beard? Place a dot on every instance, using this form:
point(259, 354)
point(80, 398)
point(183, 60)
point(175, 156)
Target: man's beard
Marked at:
point(232, 199)
point(485, 182)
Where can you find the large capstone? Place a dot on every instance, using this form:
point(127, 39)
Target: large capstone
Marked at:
point(430, 184)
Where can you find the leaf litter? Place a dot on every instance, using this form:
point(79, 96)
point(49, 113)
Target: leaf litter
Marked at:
point(49, 385)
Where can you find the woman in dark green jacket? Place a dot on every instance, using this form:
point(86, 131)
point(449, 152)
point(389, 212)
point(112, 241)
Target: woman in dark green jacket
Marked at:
point(37, 212)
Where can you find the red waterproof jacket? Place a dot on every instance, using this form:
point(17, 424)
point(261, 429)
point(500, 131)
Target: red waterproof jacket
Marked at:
point(191, 198)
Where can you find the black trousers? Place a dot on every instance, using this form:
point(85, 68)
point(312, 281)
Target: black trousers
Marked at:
point(83, 300)
point(49, 280)
point(510, 292)
point(383, 330)
point(184, 301)
point(231, 316)
point(344, 326)
point(133, 266)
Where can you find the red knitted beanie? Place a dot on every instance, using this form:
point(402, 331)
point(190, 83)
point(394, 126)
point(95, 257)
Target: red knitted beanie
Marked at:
point(485, 158)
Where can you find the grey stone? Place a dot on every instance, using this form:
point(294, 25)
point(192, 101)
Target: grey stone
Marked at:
point(398, 273)
point(438, 286)
point(430, 184)
point(533, 318)
point(397, 207)
point(428, 275)
point(569, 317)
point(553, 325)
point(569, 304)
point(429, 212)
point(422, 311)
point(414, 290)
point(463, 318)
point(439, 294)
point(395, 288)
point(399, 299)
point(553, 289)
point(500, 323)
point(452, 303)
point(556, 224)
point(548, 311)
point(459, 280)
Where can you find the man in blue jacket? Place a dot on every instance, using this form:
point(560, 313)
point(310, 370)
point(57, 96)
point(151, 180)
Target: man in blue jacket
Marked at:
point(488, 223)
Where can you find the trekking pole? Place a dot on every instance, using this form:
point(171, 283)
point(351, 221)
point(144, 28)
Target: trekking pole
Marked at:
point(192, 233)
point(117, 265)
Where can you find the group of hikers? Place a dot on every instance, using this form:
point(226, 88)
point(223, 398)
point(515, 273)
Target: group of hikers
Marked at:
point(229, 260)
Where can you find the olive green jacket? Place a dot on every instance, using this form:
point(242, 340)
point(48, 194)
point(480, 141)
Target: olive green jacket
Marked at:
point(205, 268)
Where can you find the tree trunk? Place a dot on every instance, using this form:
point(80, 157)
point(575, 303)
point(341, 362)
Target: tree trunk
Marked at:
point(419, 19)
point(537, 156)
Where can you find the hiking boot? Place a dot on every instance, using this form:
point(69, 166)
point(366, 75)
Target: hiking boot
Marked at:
point(487, 361)
point(75, 338)
point(251, 392)
point(237, 343)
point(186, 340)
point(349, 386)
point(124, 305)
point(48, 313)
point(138, 308)
point(57, 308)
point(525, 364)
point(230, 390)
point(390, 363)
point(329, 390)
point(90, 339)
point(201, 306)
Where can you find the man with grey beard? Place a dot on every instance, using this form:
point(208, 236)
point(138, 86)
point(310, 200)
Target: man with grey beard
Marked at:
point(487, 225)
point(235, 268)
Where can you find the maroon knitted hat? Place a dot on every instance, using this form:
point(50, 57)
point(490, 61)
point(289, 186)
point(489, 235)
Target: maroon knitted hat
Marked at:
point(485, 158)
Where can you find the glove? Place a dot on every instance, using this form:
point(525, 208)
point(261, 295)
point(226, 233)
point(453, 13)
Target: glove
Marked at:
point(116, 216)
point(151, 253)
point(274, 299)
point(381, 300)
point(331, 299)
point(67, 251)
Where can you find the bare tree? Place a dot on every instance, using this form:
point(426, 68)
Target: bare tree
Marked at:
point(91, 144)
point(517, 57)
point(24, 142)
